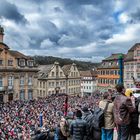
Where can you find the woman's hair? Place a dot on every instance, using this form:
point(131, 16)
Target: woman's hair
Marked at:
point(78, 113)
point(119, 87)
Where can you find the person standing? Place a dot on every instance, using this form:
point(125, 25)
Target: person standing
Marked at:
point(123, 107)
point(107, 106)
point(78, 128)
point(88, 117)
point(134, 130)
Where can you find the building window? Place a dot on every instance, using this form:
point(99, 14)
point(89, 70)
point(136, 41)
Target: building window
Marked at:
point(22, 95)
point(63, 83)
point(116, 72)
point(30, 63)
point(43, 93)
point(10, 62)
point(30, 94)
point(132, 66)
point(40, 84)
point(52, 74)
point(1, 62)
point(52, 84)
point(127, 85)
point(132, 75)
point(138, 75)
point(138, 53)
point(71, 74)
point(57, 84)
point(138, 65)
point(22, 62)
point(43, 84)
point(60, 74)
point(127, 75)
point(1, 81)
point(10, 81)
point(110, 63)
point(21, 80)
point(30, 80)
point(49, 84)
point(40, 93)
point(57, 73)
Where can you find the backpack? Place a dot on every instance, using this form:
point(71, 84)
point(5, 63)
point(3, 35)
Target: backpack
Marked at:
point(98, 121)
point(65, 129)
point(89, 119)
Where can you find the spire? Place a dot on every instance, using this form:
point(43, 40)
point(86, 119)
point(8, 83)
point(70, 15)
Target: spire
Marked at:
point(1, 33)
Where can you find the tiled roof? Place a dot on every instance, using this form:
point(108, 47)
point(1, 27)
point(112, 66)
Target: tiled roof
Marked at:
point(130, 54)
point(44, 70)
point(88, 73)
point(17, 54)
point(113, 64)
point(134, 47)
point(113, 57)
point(66, 69)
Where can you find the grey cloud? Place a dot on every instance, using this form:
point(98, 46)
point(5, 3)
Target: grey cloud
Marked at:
point(71, 24)
point(10, 11)
point(136, 15)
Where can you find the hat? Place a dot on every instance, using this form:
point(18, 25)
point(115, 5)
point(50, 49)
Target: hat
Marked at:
point(70, 114)
point(128, 92)
point(85, 109)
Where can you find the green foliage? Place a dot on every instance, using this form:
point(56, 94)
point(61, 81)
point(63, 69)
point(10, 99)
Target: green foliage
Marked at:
point(45, 60)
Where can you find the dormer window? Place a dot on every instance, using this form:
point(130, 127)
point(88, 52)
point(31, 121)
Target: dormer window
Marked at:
point(10, 62)
point(30, 63)
point(22, 62)
point(110, 63)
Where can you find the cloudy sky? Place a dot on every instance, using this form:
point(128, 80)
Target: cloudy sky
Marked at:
point(79, 29)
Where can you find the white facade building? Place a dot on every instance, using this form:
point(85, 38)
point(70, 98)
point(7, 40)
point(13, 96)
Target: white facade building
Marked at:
point(88, 82)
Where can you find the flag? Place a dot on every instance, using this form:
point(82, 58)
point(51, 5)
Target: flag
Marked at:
point(66, 105)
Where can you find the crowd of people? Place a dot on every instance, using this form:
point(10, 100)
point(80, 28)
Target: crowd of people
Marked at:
point(20, 119)
point(83, 118)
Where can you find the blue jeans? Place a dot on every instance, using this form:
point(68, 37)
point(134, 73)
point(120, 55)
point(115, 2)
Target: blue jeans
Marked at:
point(123, 132)
point(107, 134)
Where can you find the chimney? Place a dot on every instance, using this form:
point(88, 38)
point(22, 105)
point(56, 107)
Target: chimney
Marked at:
point(1, 33)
